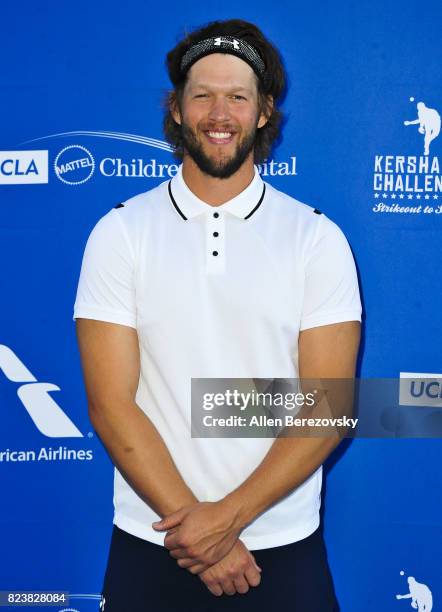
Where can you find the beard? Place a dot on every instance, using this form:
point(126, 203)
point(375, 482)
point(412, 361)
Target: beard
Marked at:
point(222, 168)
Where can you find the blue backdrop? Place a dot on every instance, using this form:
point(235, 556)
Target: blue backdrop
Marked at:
point(83, 84)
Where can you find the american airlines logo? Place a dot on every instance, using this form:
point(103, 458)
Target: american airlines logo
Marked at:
point(46, 414)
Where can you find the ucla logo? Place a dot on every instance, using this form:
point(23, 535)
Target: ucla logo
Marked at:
point(23, 167)
point(9, 167)
point(431, 390)
point(74, 165)
point(417, 389)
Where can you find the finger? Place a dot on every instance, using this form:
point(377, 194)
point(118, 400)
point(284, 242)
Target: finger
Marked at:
point(228, 586)
point(197, 569)
point(214, 587)
point(173, 530)
point(255, 564)
point(171, 541)
point(177, 553)
point(241, 585)
point(253, 576)
point(172, 520)
point(187, 563)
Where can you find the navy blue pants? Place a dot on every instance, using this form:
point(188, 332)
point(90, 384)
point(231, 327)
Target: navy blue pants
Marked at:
point(143, 577)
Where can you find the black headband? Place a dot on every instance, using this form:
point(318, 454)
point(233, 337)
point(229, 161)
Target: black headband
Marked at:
point(224, 44)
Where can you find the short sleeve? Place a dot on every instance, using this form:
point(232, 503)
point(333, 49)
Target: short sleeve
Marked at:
point(106, 288)
point(331, 291)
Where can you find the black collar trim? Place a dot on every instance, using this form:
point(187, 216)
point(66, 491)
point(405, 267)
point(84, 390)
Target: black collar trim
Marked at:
point(183, 216)
point(174, 203)
point(259, 203)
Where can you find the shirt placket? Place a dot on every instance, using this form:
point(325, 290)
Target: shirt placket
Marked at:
point(215, 243)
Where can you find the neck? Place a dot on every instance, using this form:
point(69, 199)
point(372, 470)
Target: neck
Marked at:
point(215, 191)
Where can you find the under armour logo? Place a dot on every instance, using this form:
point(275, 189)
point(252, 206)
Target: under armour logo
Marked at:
point(219, 41)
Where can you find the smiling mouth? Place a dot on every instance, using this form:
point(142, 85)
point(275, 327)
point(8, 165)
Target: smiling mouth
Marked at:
point(216, 137)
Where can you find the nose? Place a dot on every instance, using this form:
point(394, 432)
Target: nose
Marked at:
point(219, 110)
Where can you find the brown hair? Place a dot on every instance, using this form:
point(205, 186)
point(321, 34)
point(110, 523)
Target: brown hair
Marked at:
point(272, 84)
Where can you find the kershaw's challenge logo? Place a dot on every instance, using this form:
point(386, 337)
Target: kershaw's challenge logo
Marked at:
point(411, 183)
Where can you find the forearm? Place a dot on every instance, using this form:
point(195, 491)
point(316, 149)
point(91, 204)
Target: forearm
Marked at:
point(289, 462)
point(140, 454)
point(328, 352)
point(297, 453)
point(201, 535)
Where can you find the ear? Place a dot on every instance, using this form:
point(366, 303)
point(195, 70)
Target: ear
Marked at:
point(174, 108)
point(266, 111)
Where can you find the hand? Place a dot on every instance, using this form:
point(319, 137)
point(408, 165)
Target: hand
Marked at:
point(235, 573)
point(201, 534)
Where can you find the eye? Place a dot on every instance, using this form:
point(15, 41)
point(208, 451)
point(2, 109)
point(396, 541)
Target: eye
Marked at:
point(201, 96)
point(238, 97)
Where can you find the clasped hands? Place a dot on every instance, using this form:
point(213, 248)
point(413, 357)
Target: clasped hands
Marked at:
point(203, 538)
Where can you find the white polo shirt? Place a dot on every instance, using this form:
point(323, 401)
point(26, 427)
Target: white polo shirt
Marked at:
point(216, 292)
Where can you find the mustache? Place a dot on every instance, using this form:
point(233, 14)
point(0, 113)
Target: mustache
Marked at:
point(225, 127)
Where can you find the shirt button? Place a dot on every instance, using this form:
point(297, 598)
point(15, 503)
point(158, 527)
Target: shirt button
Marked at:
point(215, 253)
point(216, 234)
point(216, 215)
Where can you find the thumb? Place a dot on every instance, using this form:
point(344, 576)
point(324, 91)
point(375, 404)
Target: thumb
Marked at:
point(170, 521)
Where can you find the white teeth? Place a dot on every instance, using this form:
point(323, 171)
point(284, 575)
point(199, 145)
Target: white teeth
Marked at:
point(219, 135)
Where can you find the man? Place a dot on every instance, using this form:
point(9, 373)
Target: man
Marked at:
point(214, 275)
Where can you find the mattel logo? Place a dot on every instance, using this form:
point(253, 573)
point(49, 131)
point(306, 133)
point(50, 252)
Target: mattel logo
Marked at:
point(417, 389)
point(23, 167)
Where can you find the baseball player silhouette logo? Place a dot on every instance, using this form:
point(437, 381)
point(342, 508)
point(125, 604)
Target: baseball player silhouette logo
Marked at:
point(428, 120)
point(420, 595)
